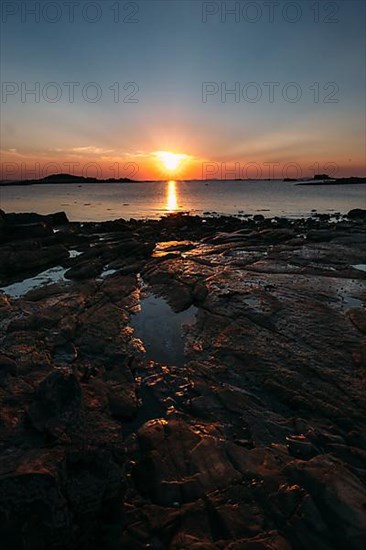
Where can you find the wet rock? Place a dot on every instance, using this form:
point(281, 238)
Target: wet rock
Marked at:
point(119, 225)
point(199, 293)
point(57, 404)
point(178, 464)
point(301, 448)
point(358, 318)
point(32, 322)
point(357, 214)
point(56, 219)
point(269, 541)
point(65, 353)
point(85, 271)
point(2, 218)
point(7, 366)
point(276, 235)
point(45, 292)
point(94, 489)
point(121, 392)
point(53, 499)
point(23, 232)
point(339, 495)
point(321, 235)
point(33, 509)
point(99, 333)
point(122, 402)
point(30, 258)
point(299, 518)
point(257, 441)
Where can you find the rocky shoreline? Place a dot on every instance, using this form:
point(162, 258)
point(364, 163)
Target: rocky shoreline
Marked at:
point(257, 440)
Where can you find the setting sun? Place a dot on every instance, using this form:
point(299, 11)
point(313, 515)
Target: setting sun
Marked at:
point(170, 161)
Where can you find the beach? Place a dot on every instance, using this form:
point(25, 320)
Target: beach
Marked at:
point(184, 382)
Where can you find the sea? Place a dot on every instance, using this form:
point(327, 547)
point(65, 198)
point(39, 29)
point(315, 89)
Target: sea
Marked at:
point(107, 201)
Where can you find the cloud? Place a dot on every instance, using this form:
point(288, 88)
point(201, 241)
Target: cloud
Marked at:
point(12, 151)
point(136, 154)
point(86, 149)
point(90, 149)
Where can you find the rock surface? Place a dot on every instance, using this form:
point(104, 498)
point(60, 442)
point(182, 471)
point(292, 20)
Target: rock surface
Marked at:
point(257, 442)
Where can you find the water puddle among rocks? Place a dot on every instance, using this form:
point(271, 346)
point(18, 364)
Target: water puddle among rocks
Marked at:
point(161, 330)
point(108, 272)
point(51, 276)
point(351, 294)
point(351, 301)
point(74, 253)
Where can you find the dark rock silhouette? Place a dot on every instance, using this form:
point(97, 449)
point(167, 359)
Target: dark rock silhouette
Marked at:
point(357, 214)
point(322, 177)
point(320, 180)
point(66, 178)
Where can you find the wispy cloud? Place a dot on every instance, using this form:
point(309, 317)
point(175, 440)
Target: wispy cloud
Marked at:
point(91, 149)
point(12, 151)
point(86, 149)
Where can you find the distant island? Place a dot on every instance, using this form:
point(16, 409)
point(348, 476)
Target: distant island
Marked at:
point(66, 178)
point(324, 179)
point(319, 179)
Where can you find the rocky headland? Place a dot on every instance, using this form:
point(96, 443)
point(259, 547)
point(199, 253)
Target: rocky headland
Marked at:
point(253, 438)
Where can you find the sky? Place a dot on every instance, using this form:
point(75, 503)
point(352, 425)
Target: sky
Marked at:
point(116, 85)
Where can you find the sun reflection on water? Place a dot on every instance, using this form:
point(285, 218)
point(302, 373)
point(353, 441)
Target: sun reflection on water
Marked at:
point(171, 196)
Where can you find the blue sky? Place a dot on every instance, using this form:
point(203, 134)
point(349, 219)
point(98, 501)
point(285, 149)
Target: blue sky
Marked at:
point(169, 53)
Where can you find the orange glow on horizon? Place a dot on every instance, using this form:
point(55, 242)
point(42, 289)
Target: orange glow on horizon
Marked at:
point(165, 165)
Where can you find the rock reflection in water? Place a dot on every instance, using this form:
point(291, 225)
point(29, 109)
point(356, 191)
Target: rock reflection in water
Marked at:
point(161, 330)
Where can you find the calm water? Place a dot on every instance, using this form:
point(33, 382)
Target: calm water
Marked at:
point(165, 345)
point(98, 202)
